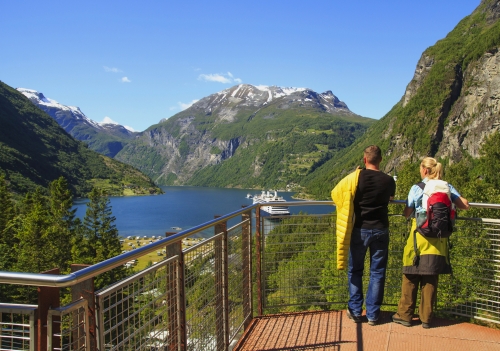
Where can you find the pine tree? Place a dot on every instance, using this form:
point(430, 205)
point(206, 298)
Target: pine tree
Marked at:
point(63, 225)
point(32, 234)
point(100, 236)
point(7, 214)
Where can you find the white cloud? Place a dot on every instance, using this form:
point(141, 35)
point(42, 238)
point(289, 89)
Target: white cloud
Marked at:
point(112, 69)
point(130, 128)
point(108, 120)
point(184, 106)
point(214, 78)
point(125, 80)
point(227, 78)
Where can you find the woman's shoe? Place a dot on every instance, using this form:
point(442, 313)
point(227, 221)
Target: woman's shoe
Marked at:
point(396, 319)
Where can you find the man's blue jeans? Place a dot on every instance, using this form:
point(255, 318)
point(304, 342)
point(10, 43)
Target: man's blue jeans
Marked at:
point(377, 241)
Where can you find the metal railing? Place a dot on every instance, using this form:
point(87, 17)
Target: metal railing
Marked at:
point(18, 327)
point(203, 297)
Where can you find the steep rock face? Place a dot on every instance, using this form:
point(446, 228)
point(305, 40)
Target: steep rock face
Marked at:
point(423, 67)
point(476, 114)
point(186, 153)
point(468, 85)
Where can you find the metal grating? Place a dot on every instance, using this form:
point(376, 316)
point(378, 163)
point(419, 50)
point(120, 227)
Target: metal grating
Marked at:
point(299, 267)
point(133, 314)
point(238, 271)
point(18, 327)
point(68, 327)
point(474, 288)
point(200, 290)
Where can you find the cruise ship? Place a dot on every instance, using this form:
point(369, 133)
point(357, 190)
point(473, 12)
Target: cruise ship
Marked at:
point(270, 197)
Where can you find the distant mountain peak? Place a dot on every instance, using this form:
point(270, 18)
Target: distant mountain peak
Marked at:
point(109, 136)
point(47, 104)
point(259, 96)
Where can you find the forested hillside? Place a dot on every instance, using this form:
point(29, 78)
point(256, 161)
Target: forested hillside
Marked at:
point(448, 111)
point(34, 151)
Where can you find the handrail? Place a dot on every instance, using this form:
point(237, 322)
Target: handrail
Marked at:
point(52, 280)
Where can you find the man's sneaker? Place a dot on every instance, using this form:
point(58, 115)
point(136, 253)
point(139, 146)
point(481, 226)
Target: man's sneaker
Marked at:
point(426, 325)
point(372, 323)
point(396, 319)
point(355, 319)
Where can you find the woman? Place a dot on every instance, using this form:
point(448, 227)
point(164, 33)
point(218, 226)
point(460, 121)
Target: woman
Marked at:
point(433, 254)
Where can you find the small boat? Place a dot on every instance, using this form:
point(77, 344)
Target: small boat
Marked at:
point(176, 228)
point(249, 196)
point(265, 197)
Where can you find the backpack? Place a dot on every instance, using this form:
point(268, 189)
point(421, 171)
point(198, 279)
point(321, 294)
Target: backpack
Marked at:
point(439, 216)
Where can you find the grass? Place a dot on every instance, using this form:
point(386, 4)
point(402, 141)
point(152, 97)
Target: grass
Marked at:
point(152, 257)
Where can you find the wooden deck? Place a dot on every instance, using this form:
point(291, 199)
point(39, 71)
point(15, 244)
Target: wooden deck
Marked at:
point(332, 330)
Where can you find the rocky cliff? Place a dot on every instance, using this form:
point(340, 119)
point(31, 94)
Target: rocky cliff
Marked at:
point(455, 90)
point(448, 110)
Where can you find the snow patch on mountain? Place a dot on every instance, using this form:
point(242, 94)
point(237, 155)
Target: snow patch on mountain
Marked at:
point(39, 99)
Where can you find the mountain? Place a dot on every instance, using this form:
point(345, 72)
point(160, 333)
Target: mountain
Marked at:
point(105, 138)
point(449, 108)
point(246, 136)
point(35, 150)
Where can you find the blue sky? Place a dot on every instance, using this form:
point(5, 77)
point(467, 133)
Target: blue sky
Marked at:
point(137, 62)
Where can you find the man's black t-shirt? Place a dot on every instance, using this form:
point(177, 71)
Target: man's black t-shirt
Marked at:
point(372, 197)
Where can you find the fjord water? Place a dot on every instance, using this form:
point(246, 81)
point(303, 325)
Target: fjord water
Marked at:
point(180, 206)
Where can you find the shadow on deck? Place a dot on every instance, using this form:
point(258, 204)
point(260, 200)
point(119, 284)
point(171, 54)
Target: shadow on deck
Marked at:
point(332, 330)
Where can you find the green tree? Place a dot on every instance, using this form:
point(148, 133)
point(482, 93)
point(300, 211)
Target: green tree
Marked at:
point(7, 214)
point(63, 225)
point(489, 163)
point(100, 239)
point(31, 227)
point(7, 239)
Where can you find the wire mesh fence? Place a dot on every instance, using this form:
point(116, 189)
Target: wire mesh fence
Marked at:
point(299, 267)
point(134, 313)
point(202, 296)
point(200, 289)
point(239, 264)
point(18, 327)
point(473, 290)
point(68, 327)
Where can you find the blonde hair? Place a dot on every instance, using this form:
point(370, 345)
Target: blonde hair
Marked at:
point(434, 168)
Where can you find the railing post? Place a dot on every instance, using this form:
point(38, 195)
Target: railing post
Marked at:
point(258, 257)
point(85, 290)
point(48, 297)
point(246, 249)
point(176, 298)
point(221, 286)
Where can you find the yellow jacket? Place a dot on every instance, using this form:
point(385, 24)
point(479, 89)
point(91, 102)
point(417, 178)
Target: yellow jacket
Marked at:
point(343, 197)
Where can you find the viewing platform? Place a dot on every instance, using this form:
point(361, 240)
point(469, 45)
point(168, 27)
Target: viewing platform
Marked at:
point(333, 331)
point(258, 283)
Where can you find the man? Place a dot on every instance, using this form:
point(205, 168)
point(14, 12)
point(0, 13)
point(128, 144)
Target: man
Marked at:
point(361, 199)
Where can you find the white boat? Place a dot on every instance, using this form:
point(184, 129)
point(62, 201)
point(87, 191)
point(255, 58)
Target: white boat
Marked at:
point(249, 196)
point(271, 197)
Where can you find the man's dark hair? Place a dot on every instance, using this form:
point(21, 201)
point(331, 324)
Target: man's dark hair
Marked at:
point(373, 154)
